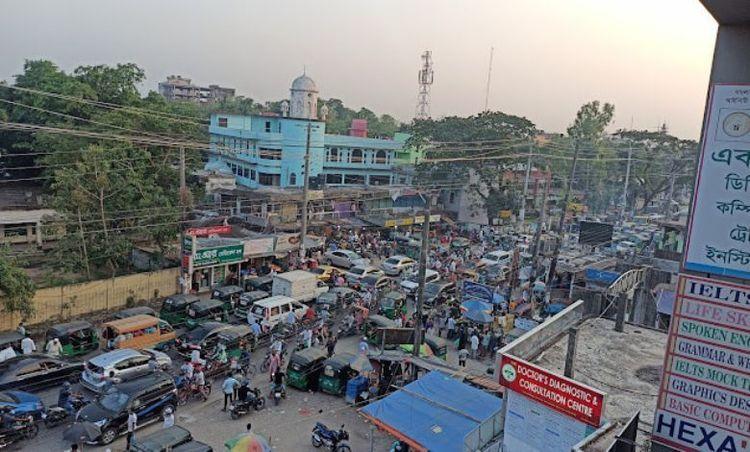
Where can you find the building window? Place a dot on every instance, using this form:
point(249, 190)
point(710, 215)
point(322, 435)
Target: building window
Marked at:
point(334, 178)
point(452, 197)
point(293, 179)
point(381, 157)
point(252, 174)
point(354, 179)
point(269, 179)
point(268, 126)
point(245, 172)
point(333, 155)
point(223, 122)
point(380, 180)
point(270, 154)
point(356, 156)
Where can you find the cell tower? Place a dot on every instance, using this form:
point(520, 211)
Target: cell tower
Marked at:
point(425, 81)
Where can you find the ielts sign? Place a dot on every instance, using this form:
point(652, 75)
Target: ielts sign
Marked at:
point(560, 393)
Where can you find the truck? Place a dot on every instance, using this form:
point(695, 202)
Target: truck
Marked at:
point(300, 285)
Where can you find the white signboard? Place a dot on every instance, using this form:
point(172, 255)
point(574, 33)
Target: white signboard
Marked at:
point(719, 234)
point(531, 426)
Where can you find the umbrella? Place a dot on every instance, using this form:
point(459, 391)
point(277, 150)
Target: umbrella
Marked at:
point(476, 305)
point(248, 442)
point(498, 298)
point(478, 317)
point(360, 363)
point(81, 432)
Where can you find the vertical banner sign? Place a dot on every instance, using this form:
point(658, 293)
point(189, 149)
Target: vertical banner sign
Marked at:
point(704, 398)
point(719, 233)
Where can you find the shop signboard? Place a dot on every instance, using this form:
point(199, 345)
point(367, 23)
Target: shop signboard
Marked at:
point(704, 398)
point(209, 230)
point(718, 239)
point(286, 242)
point(220, 255)
point(188, 244)
point(557, 392)
point(263, 246)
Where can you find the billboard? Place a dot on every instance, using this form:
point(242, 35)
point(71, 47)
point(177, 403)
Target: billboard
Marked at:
point(718, 239)
point(557, 392)
point(216, 256)
point(595, 234)
point(704, 398)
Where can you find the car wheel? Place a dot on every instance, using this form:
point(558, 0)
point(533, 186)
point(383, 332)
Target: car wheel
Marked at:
point(31, 431)
point(108, 436)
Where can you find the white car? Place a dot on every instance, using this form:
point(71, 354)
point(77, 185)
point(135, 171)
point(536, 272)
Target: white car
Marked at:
point(411, 284)
point(498, 257)
point(355, 274)
point(344, 259)
point(395, 265)
point(124, 363)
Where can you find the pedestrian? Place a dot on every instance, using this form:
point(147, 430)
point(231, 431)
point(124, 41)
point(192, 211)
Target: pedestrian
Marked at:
point(486, 339)
point(451, 327)
point(274, 362)
point(228, 387)
point(21, 329)
point(474, 346)
point(54, 347)
point(28, 346)
point(364, 347)
point(398, 321)
point(331, 345)
point(307, 337)
point(168, 418)
point(132, 425)
point(462, 355)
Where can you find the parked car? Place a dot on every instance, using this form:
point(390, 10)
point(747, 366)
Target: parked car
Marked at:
point(162, 440)
point(22, 403)
point(34, 372)
point(323, 272)
point(438, 291)
point(149, 397)
point(126, 363)
point(358, 272)
point(206, 335)
point(411, 284)
point(344, 258)
point(396, 265)
point(368, 282)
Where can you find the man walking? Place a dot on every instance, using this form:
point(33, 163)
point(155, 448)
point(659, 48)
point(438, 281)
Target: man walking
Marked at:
point(132, 425)
point(228, 387)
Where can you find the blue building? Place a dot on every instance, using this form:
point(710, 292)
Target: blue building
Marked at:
point(269, 150)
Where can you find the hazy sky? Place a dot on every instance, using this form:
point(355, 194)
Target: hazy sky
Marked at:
point(650, 58)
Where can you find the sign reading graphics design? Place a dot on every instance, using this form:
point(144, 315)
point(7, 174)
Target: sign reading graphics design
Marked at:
point(704, 401)
point(555, 391)
point(215, 256)
point(719, 234)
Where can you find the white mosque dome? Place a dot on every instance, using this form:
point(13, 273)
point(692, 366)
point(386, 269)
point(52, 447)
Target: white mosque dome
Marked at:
point(304, 83)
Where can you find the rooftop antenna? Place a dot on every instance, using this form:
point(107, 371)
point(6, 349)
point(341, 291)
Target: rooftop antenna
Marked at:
point(425, 78)
point(489, 79)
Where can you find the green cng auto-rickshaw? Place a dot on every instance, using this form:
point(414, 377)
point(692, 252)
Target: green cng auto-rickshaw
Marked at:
point(227, 294)
point(393, 304)
point(235, 340)
point(438, 346)
point(77, 338)
point(132, 312)
point(11, 339)
point(336, 372)
point(205, 311)
point(375, 322)
point(174, 308)
point(304, 368)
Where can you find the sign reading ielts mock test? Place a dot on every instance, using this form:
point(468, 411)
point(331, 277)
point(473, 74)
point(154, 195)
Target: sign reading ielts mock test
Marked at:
point(719, 235)
point(555, 391)
point(704, 399)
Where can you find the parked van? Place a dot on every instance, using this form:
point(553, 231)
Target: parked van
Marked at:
point(139, 331)
point(275, 309)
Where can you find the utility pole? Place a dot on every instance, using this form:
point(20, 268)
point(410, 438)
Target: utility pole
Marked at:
point(668, 202)
point(522, 212)
point(305, 194)
point(561, 224)
point(183, 203)
point(540, 225)
point(489, 79)
point(421, 277)
point(627, 181)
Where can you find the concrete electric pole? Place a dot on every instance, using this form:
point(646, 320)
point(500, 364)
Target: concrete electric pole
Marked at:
point(425, 249)
point(561, 224)
point(305, 194)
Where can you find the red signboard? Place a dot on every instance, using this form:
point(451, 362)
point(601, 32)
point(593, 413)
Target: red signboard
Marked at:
point(555, 391)
point(209, 230)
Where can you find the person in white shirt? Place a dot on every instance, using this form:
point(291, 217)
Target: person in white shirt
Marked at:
point(132, 425)
point(474, 345)
point(307, 336)
point(399, 323)
point(28, 346)
point(168, 418)
point(54, 347)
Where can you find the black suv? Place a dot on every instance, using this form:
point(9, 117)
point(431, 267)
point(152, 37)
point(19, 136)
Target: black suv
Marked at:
point(148, 396)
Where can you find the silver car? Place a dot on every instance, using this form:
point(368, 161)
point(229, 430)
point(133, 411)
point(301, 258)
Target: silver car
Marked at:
point(122, 364)
point(358, 272)
point(344, 259)
point(396, 265)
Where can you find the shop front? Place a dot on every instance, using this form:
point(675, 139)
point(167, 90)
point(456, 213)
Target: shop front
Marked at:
point(215, 264)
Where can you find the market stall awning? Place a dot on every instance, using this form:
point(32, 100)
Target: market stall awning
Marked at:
point(438, 413)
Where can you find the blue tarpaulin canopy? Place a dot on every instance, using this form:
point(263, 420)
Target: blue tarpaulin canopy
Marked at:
point(438, 413)
point(476, 305)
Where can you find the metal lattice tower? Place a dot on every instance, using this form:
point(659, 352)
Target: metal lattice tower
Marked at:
point(425, 81)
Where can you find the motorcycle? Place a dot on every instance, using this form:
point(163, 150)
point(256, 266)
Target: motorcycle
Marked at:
point(332, 439)
point(266, 363)
point(25, 428)
point(192, 391)
point(278, 392)
point(57, 415)
point(242, 407)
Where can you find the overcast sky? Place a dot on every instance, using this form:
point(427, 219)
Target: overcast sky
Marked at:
point(650, 58)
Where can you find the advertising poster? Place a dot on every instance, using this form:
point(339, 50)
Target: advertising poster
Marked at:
point(719, 233)
point(704, 399)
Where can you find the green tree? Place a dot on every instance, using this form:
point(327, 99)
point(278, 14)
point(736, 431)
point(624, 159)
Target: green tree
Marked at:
point(16, 287)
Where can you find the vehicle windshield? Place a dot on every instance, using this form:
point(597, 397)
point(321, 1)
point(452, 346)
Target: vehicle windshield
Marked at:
point(258, 310)
point(392, 261)
point(114, 401)
point(357, 271)
point(197, 334)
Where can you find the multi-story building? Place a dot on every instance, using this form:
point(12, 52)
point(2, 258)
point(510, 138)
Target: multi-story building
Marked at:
point(178, 88)
point(269, 149)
